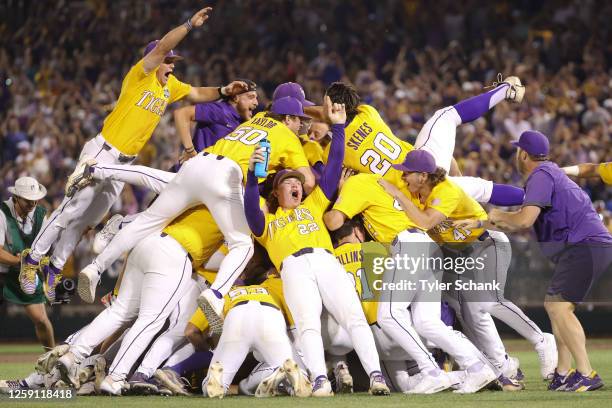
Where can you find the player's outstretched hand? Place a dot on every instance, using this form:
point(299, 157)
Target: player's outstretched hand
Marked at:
point(256, 157)
point(467, 224)
point(200, 17)
point(346, 173)
point(389, 188)
point(235, 88)
point(335, 113)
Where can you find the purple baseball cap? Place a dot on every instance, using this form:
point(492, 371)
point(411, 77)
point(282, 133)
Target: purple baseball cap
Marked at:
point(292, 89)
point(288, 106)
point(534, 143)
point(418, 160)
point(173, 55)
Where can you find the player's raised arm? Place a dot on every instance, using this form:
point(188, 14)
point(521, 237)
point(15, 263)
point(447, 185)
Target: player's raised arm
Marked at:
point(169, 41)
point(201, 94)
point(182, 120)
point(254, 215)
point(336, 114)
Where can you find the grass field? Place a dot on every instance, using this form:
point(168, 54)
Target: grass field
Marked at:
point(16, 361)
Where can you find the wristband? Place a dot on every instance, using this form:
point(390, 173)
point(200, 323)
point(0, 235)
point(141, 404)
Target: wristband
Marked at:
point(571, 170)
point(188, 25)
point(190, 149)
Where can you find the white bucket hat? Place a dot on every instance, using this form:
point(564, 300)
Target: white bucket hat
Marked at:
point(28, 188)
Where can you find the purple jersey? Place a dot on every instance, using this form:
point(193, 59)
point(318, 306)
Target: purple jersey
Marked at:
point(567, 213)
point(214, 121)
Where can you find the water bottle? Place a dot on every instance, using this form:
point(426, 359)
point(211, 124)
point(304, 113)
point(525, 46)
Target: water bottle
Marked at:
point(261, 169)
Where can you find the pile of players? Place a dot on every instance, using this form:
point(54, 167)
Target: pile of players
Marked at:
point(223, 264)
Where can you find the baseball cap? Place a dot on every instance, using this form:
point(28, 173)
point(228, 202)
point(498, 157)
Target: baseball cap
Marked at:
point(534, 143)
point(28, 188)
point(418, 160)
point(285, 174)
point(173, 55)
point(292, 89)
point(288, 106)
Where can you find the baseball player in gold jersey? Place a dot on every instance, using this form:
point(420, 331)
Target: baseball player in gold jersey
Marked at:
point(158, 275)
point(147, 89)
point(386, 222)
point(215, 178)
point(299, 246)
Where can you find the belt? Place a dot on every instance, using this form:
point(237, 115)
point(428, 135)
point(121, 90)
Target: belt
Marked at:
point(219, 157)
point(122, 157)
point(163, 235)
point(484, 236)
point(244, 302)
point(305, 251)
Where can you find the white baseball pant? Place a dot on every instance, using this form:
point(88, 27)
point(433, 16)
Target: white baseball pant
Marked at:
point(212, 180)
point(65, 226)
point(394, 316)
point(314, 280)
point(251, 326)
point(153, 179)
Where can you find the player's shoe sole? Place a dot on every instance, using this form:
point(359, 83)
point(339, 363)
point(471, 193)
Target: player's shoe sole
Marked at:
point(80, 177)
point(214, 386)
point(215, 321)
point(301, 386)
point(67, 367)
point(86, 286)
point(99, 372)
point(46, 362)
point(268, 386)
point(170, 381)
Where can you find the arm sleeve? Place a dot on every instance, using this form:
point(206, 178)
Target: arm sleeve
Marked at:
point(178, 89)
point(209, 112)
point(333, 169)
point(255, 217)
point(538, 190)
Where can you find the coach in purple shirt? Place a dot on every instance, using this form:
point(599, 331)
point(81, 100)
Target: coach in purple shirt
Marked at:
point(573, 236)
point(214, 120)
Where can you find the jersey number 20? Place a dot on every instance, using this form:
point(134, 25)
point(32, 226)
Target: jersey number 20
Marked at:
point(376, 159)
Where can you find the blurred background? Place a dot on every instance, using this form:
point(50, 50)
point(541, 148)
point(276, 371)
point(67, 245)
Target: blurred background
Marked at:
point(62, 63)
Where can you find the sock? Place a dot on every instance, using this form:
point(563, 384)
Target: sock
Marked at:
point(54, 269)
point(197, 361)
point(477, 106)
point(31, 260)
point(506, 195)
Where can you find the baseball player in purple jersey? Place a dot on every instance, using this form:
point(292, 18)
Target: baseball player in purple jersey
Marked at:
point(571, 234)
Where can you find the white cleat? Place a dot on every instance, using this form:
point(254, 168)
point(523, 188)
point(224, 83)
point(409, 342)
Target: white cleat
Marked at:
point(344, 379)
point(378, 385)
point(268, 386)
point(99, 372)
point(516, 90)
point(102, 238)
point(322, 387)
point(46, 362)
point(212, 307)
point(299, 382)
point(474, 382)
point(171, 380)
point(88, 388)
point(81, 177)
point(456, 378)
point(111, 387)
point(89, 278)
point(214, 385)
point(510, 367)
point(547, 353)
point(431, 384)
point(69, 369)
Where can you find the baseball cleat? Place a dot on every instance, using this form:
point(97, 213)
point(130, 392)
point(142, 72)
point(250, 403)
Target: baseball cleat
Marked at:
point(28, 273)
point(378, 386)
point(89, 388)
point(509, 384)
point(171, 380)
point(111, 387)
point(344, 379)
point(510, 367)
point(431, 383)
point(81, 177)
point(547, 354)
point(85, 373)
point(141, 385)
point(89, 278)
point(300, 384)
point(107, 233)
point(475, 381)
point(99, 372)
point(214, 385)
point(560, 382)
point(212, 306)
point(269, 385)
point(6, 386)
point(68, 368)
point(46, 361)
point(322, 387)
point(50, 280)
point(583, 383)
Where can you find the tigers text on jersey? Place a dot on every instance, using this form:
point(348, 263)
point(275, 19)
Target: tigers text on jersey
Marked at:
point(450, 199)
point(196, 231)
point(383, 215)
point(285, 151)
point(288, 231)
point(141, 104)
point(371, 147)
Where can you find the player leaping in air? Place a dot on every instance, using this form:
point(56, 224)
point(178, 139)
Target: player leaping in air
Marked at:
point(147, 89)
